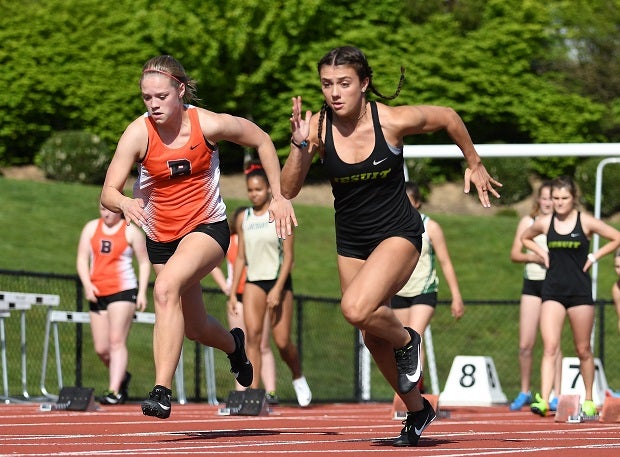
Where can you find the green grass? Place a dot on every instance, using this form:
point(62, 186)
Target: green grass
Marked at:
point(40, 225)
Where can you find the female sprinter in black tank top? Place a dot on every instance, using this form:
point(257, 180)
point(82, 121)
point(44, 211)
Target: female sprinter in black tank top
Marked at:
point(378, 232)
point(567, 289)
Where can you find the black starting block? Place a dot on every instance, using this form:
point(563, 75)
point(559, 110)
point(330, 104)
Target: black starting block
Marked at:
point(249, 402)
point(76, 399)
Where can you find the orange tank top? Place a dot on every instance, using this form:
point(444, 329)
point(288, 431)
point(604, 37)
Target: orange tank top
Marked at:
point(180, 187)
point(111, 269)
point(231, 255)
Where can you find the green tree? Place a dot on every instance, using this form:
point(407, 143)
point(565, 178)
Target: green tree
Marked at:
point(75, 64)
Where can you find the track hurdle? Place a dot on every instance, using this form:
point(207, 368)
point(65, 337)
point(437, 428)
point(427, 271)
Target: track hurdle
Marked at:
point(22, 302)
point(55, 317)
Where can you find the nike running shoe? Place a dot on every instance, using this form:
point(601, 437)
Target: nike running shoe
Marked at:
point(589, 408)
point(414, 425)
point(302, 390)
point(408, 363)
point(158, 403)
point(112, 398)
point(240, 366)
point(524, 398)
point(540, 406)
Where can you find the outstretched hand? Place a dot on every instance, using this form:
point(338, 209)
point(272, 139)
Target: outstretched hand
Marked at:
point(484, 183)
point(300, 128)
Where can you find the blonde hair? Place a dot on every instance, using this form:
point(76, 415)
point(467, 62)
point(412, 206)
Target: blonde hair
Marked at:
point(535, 211)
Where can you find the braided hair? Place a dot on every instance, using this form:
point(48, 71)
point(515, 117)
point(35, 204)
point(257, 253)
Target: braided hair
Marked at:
point(355, 58)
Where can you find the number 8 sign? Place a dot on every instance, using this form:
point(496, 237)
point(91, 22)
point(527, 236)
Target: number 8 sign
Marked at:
point(472, 381)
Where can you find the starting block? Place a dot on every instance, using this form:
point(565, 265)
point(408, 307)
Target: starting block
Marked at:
point(572, 381)
point(568, 406)
point(399, 410)
point(472, 381)
point(249, 402)
point(611, 410)
point(73, 399)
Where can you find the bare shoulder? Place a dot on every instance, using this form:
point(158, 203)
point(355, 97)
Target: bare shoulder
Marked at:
point(90, 227)
point(397, 121)
point(434, 229)
point(542, 222)
point(217, 126)
point(208, 118)
point(134, 234)
point(524, 223)
point(135, 138)
point(137, 126)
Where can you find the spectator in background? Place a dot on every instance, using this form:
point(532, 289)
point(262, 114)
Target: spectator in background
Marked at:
point(177, 202)
point(378, 232)
point(531, 302)
point(567, 289)
point(615, 289)
point(615, 294)
point(105, 266)
point(268, 288)
point(414, 305)
point(235, 313)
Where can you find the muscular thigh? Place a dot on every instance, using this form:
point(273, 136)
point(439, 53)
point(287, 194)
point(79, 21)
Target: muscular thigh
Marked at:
point(383, 274)
point(254, 306)
point(194, 258)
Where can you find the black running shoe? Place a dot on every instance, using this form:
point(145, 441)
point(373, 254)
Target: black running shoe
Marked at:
point(240, 366)
point(158, 403)
point(408, 363)
point(112, 398)
point(124, 387)
point(414, 425)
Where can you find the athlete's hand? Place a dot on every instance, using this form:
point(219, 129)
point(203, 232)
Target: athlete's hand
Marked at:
point(483, 182)
point(300, 128)
point(281, 212)
point(133, 210)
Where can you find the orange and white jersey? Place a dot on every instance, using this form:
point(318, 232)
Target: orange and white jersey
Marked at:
point(231, 255)
point(111, 269)
point(180, 187)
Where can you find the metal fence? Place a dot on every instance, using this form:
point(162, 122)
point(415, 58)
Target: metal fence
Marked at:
point(329, 347)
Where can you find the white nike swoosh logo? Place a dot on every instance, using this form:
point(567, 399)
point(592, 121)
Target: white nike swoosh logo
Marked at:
point(419, 431)
point(377, 162)
point(574, 235)
point(164, 407)
point(416, 376)
point(236, 373)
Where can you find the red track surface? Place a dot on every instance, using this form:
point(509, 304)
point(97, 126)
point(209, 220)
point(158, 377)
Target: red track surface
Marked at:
point(351, 429)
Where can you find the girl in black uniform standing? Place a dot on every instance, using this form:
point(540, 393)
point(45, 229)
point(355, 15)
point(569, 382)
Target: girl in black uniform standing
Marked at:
point(567, 289)
point(378, 232)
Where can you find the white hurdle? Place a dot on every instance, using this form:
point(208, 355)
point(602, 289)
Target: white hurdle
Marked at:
point(22, 302)
point(83, 317)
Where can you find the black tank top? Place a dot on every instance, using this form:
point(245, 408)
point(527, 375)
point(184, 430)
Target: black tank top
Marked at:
point(370, 200)
point(567, 256)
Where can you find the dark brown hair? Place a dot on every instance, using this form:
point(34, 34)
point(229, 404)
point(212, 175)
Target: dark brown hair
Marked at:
point(354, 58)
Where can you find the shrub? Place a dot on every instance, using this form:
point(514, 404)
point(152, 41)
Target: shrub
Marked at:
point(585, 177)
point(74, 156)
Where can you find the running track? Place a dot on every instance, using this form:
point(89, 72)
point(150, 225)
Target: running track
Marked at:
point(358, 430)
